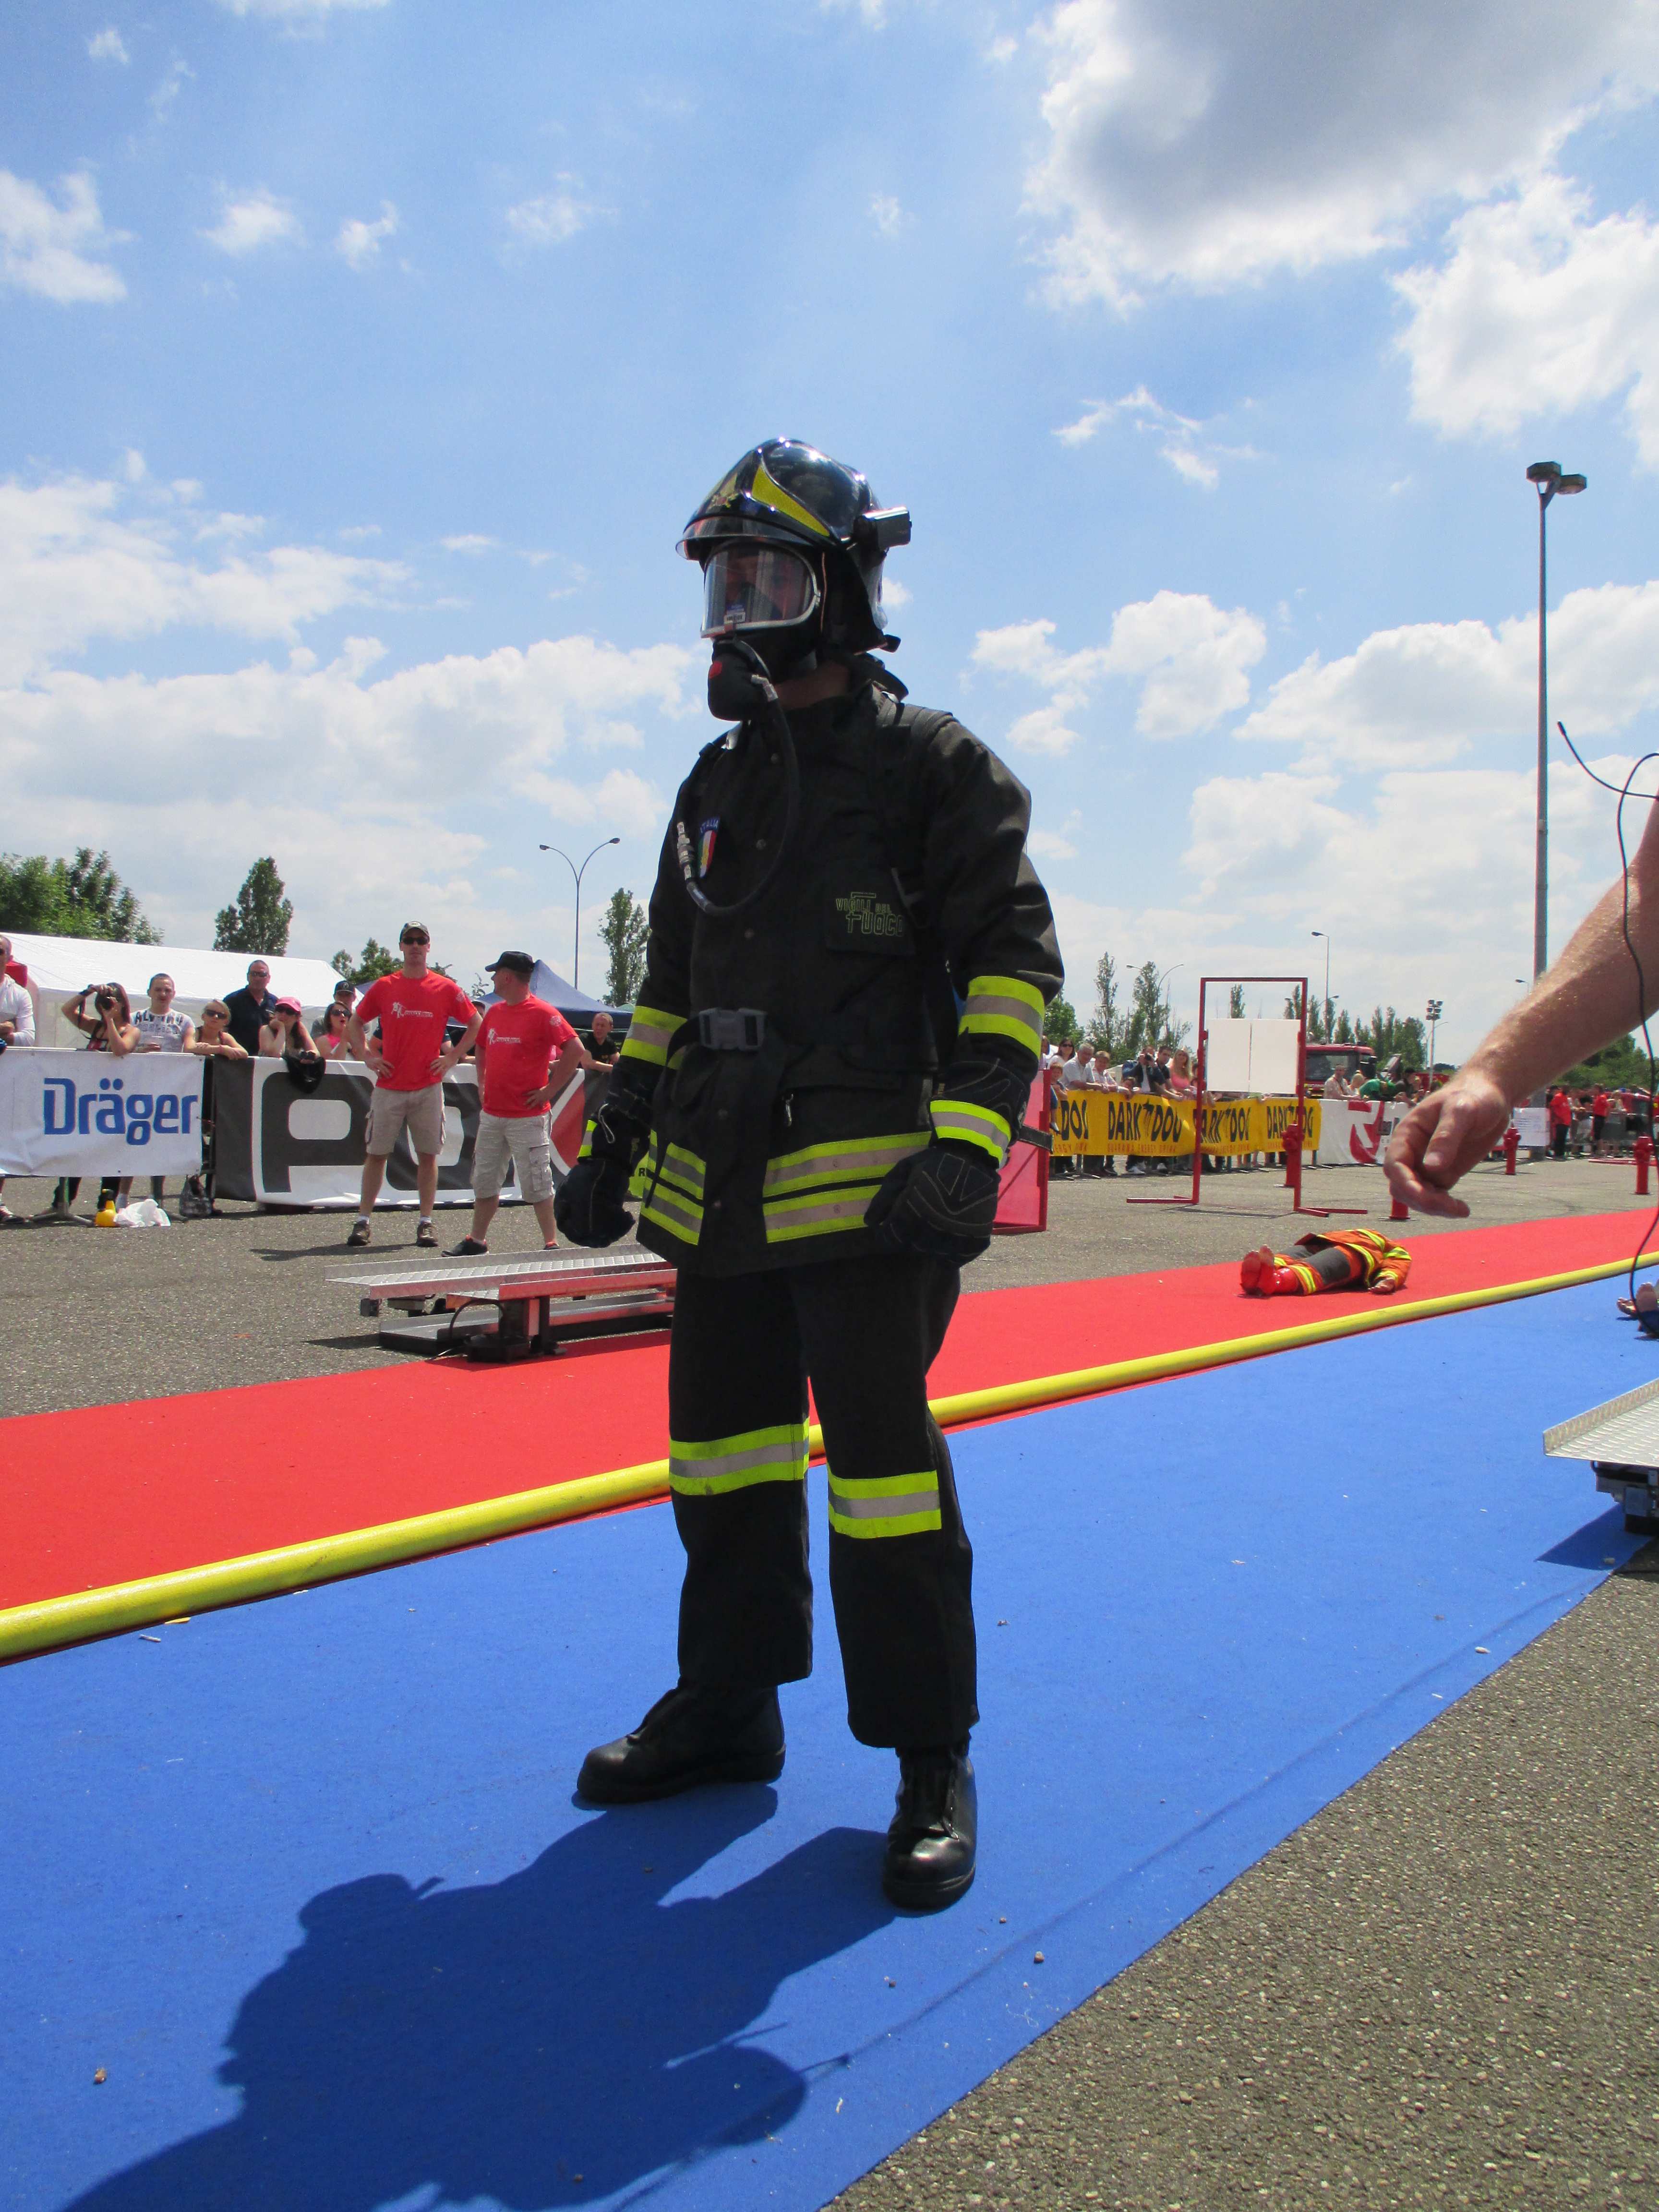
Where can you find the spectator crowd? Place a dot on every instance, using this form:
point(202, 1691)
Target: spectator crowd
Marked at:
point(409, 1030)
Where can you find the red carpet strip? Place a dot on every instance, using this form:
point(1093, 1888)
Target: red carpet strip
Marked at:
point(110, 1493)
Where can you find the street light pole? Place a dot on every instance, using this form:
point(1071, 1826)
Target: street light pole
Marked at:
point(1437, 1007)
point(1547, 479)
point(576, 957)
point(1319, 933)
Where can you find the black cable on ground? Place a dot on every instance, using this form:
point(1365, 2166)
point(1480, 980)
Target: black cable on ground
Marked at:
point(1624, 792)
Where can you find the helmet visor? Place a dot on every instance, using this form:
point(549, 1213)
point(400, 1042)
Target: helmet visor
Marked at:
point(751, 586)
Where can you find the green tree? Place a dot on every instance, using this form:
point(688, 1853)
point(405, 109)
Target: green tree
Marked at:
point(1322, 1020)
point(82, 897)
point(374, 961)
point(1622, 1066)
point(1236, 1003)
point(1060, 1022)
point(1106, 1030)
point(623, 934)
point(260, 919)
point(1152, 1014)
point(1387, 1033)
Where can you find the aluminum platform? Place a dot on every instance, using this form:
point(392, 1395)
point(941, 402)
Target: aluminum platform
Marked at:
point(527, 1304)
point(1620, 1440)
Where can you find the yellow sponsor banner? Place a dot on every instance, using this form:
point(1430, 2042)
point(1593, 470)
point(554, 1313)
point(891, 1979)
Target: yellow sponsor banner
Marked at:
point(1095, 1122)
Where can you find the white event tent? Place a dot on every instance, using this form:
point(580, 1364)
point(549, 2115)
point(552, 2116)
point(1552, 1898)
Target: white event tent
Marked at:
point(58, 967)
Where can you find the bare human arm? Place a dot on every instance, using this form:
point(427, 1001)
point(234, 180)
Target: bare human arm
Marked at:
point(1588, 997)
point(574, 1059)
point(463, 1045)
point(359, 1051)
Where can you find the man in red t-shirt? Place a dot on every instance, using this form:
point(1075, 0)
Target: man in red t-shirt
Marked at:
point(517, 1080)
point(409, 1062)
point(1560, 1123)
point(1598, 1116)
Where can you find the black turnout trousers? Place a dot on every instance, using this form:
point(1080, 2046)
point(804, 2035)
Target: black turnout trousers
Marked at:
point(865, 1330)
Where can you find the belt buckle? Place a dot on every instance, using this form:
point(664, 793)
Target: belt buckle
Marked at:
point(731, 1029)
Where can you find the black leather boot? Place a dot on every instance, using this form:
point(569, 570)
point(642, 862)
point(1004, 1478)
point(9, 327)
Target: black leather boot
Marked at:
point(687, 1738)
point(932, 1841)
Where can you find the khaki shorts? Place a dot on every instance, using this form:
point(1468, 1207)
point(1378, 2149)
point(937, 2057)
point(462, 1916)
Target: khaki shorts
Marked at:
point(525, 1136)
point(419, 1112)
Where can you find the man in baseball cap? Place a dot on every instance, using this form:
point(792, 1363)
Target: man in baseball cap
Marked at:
point(518, 1079)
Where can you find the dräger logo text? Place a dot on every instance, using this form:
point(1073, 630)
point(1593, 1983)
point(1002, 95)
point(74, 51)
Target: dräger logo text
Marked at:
point(111, 1110)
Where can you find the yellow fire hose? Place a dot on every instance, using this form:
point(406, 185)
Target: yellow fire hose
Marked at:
point(52, 1623)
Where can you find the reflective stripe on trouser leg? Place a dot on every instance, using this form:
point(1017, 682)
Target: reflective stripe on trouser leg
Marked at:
point(737, 1420)
point(870, 1326)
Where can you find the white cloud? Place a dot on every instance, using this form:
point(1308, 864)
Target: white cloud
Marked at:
point(48, 249)
point(1537, 309)
point(108, 46)
point(259, 219)
point(471, 543)
point(1193, 657)
point(161, 100)
point(894, 594)
point(886, 214)
point(1050, 845)
point(1419, 694)
point(551, 218)
point(1272, 856)
point(294, 11)
point(73, 568)
point(1180, 439)
point(1207, 145)
point(359, 242)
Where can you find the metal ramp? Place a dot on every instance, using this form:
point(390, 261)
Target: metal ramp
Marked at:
point(513, 1309)
point(1620, 1440)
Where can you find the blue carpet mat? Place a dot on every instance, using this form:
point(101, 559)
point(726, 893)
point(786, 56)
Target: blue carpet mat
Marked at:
point(307, 1881)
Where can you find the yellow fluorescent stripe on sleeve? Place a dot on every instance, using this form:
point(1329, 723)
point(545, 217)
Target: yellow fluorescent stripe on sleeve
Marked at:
point(1002, 1005)
point(648, 1034)
point(849, 1160)
point(726, 1463)
point(885, 1505)
point(973, 1124)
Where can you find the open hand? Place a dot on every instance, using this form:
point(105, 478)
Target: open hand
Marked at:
point(1442, 1137)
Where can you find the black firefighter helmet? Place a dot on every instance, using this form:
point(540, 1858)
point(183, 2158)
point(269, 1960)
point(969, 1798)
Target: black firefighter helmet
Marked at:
point(791, 544)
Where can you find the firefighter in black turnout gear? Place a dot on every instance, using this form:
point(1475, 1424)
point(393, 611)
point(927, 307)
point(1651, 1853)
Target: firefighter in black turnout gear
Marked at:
point(849, 963)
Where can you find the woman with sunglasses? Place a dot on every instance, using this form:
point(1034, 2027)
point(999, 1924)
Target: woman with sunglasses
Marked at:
point(214, 1040)
point(331, 1040)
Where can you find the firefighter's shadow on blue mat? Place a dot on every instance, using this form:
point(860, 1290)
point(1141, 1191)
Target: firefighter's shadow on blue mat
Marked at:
point(539, 2041)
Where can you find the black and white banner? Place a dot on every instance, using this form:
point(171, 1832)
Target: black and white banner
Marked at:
point(284, 1141)
point(90, 1114)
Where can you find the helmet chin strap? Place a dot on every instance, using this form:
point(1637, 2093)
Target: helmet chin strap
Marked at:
point(739, 687)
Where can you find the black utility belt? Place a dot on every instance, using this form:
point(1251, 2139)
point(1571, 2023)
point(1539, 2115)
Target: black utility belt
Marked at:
point(730, 1028)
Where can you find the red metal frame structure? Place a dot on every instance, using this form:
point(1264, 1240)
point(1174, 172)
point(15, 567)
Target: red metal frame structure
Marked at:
point(1293, 1165)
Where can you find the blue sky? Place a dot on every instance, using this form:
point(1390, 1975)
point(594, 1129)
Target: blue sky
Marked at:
point(359, 365)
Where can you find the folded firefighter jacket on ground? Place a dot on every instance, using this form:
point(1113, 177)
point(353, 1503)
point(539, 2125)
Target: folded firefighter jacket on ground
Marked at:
point(899, 965)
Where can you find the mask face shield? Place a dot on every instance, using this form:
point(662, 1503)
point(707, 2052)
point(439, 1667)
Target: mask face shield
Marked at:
point(747, 584)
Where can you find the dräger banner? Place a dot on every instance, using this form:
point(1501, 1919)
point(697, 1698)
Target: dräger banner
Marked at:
point(1094, 1121)
point(282, 1144)
point(89, 1113)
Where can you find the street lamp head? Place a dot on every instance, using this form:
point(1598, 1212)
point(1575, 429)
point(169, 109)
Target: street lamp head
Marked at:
point(1544, 472)
point(1572, 483)
point(616, 841)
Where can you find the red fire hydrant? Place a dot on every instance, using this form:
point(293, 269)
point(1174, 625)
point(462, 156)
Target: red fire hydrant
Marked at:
point(1644, 1162)
point(1512, 1147)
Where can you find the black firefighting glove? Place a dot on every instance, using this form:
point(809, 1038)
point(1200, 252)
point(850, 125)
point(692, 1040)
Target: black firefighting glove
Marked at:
point(589, 1207)
point(939, 1204)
